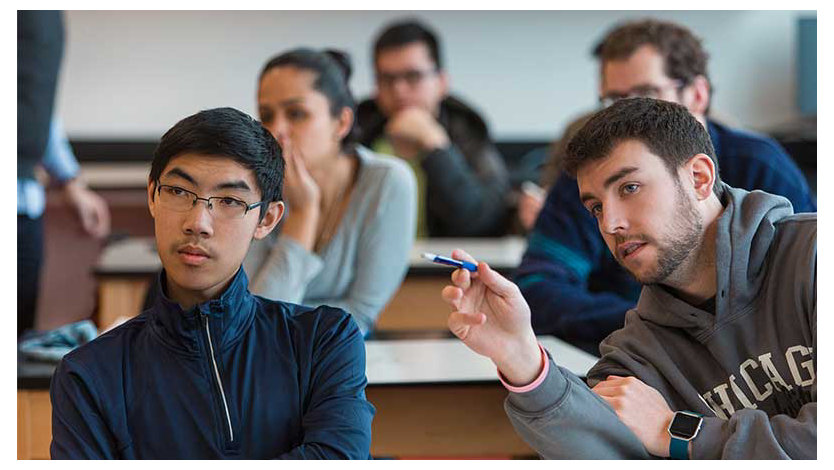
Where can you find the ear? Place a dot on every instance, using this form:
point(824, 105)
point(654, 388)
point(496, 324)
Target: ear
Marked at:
point(698, 95)
point(273, 215)
point(345, 123)
point(151, 199)
point(701, 173)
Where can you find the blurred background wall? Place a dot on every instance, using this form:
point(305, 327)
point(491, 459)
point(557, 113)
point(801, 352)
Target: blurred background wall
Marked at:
point(131, 74)
point(128, 76)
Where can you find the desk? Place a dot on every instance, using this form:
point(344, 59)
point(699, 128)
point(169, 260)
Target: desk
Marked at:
point(34, 410)
point(126, 268)
point(436, 398)
point(433, 397)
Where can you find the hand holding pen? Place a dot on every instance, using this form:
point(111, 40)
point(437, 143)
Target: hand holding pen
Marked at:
point(451, 262)
point(492, 318)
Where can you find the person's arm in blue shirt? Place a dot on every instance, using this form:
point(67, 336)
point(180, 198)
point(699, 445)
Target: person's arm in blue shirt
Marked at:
point(752, 161)
point(58, 159)
point(61, 164)
point(564, 249)
point(337, 417)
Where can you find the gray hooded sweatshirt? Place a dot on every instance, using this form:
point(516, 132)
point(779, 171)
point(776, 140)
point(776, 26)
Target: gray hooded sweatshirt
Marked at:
point(749, 368)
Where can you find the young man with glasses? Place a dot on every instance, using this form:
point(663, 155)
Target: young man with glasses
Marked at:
point(461, 177)
point(210, 370)
point(719, 357)
point(575, 288)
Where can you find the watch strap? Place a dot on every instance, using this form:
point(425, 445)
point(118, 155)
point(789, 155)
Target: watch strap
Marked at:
point(679, 449)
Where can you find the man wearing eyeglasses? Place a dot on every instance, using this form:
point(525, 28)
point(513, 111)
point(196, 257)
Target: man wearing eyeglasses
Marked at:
point(210, 370)
point(461, 177)
point(575, 288)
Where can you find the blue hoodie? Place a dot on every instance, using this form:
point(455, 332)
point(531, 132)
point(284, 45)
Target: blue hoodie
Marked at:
point(238, 377)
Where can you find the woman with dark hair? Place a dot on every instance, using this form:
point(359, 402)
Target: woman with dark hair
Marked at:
point(349, 223)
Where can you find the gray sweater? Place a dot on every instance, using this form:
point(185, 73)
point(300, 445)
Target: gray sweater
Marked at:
point(363, 264)
point(753, 361)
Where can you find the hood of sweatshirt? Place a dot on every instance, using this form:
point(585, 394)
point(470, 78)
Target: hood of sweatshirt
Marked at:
point(745, 231)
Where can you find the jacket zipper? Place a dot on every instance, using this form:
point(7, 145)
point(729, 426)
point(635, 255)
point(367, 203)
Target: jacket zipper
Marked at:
point(217, 377)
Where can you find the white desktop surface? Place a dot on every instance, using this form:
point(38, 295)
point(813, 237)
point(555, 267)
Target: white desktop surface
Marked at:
point(138, 255)
point(448, 360)
point(503, 252)
point(131, 255)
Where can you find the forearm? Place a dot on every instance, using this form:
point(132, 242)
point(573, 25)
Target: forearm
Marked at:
point(751, 434)
point(465, 202)
point(563, 419)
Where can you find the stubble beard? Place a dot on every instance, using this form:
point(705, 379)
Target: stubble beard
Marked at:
point(676, 248)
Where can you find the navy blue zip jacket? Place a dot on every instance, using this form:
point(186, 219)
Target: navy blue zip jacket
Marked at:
point(576, 289)
point(238, 377)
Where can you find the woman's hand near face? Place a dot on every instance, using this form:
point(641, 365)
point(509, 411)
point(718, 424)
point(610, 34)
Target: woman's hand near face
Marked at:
point(303, 197)
point(300, 189)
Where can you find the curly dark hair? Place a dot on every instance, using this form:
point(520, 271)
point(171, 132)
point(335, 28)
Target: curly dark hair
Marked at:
point(667, 129)
point(683, 55)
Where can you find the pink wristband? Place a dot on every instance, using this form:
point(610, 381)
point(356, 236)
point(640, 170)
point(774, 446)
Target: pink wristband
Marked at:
point(535, 383)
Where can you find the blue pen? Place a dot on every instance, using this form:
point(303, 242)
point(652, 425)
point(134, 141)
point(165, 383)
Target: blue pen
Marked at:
point(451, 262)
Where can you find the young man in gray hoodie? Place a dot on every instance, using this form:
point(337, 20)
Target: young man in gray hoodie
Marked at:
point(718, 358)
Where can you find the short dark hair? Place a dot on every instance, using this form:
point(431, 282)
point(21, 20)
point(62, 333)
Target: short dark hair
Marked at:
point(684, 57)
point(226, 133)
point(406, 32)
point(667, 129)
point(332, 69)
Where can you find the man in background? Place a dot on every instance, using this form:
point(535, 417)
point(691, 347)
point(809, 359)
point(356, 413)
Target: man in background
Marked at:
point(462, 179)
point(575, 288)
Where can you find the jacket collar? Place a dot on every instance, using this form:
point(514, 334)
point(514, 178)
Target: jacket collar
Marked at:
point(228, 316)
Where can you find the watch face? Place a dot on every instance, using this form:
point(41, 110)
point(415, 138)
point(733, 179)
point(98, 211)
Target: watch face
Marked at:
point(684, 425)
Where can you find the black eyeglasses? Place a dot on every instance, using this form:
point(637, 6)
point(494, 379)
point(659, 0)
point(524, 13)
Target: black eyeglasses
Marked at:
point(411, 77)
point(642, 91)
point(182, 200)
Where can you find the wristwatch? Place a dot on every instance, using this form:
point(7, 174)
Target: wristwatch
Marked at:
point(683, 428)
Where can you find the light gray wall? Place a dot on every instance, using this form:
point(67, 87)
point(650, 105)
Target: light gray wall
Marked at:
point(129, 74)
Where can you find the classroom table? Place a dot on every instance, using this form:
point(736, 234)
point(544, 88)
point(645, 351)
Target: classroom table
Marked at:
point(437, 398)
point(433, 398)
point(127, 268)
